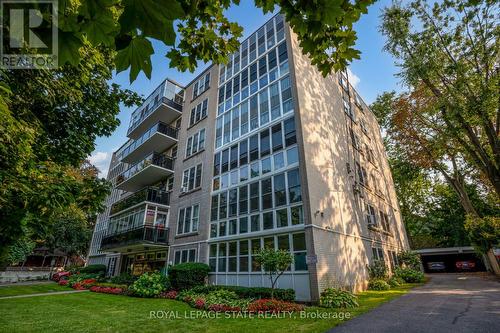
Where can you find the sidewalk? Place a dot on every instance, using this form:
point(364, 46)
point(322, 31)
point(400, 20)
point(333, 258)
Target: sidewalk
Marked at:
point(45, 294)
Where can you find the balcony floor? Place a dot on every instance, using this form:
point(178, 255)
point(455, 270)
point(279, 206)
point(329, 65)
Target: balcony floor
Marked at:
point(147, 176)
point(157, 142)
point(163, 113)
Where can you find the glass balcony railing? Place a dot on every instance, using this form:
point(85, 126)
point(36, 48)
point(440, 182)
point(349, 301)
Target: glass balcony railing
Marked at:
point(148, 194)
point(160, 127)
point(137, 236)
point(152, 159)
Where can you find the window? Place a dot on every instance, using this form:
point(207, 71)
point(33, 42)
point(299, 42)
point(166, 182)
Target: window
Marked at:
point(198, 113)
point(377, 253)
point(182, 256)
point(265, 144)
point(191, 178)
point(282, 218)
point(264, 107)
point(223, 205)
point(195, 143)
point(271, 59)
point(267, 193)
point(243, 225)
point(225, 161)
point(384, 221)
point(347, 107)
point(282, 52)
point(243, 152)
point(244, 118)
point(286, 94)
point(235, 123)
point(299, 251)
point(217, 164)
point(289, 129)
point(371, 217)
point(279, 190)
point(243, 251)
point(267, 220)
point(261, 41)
point(275, 101)
point(279, 161)
point(218, 132)
point(214, 208)
point(243, 199)
point(201, 85)
point(292, 155)
point(232, 263)
point(297, 214)
point(354, 138)
point(255, 223)
point(254, 147)
point(233, 202)
point(254, 197)
point(294, 189)
point(277, 137)
point(362, 178)
point(254, 113)
point(187, 221)
point(234, 157)
point(266, 165)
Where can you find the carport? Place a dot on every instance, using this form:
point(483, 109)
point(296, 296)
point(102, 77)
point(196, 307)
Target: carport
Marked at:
point(445, 260)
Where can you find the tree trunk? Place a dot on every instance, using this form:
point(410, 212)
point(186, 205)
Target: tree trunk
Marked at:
point(493, 262)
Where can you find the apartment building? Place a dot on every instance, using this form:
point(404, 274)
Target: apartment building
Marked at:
point(261, 152)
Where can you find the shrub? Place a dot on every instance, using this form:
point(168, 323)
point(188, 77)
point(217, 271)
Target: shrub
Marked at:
point(94, 269)
point(250, 292)
point(378, 284)
point(409, 259)
point(410, 275)
point(337, 298)
point(377, 270)
point(188, 275)
point(273, 306)
point(172, 294)
point(111, 285)
point(59, 275)
point(395, 281)
point(63, 282)
point(150, 285)
point(106, 290)
point(124, 278)
point(77, 278)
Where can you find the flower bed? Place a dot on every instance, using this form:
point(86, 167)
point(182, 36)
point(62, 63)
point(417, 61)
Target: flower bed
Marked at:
point(273, 306)
point(106, 290)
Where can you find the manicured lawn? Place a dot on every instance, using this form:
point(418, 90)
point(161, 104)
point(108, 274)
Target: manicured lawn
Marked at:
point(31, 289)
point(93, 312)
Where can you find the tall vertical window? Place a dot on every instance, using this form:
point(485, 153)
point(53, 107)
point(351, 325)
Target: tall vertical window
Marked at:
point(371, 217)
point(225, 160)
point(187, 220)
point(265, 144)
point(286, 94)
point(201, 85)
point(254, 147)
point(243, 199)
point(264, 107)
point(195, 143)
point(267, 193)
point(290, 135)
point(294, 189)
point(244, 117)
point(217, 164)
point(243, 152)
point(254, 197)
point(279, 190)
point(199, 112)
point(277, 137)
point(233, 202)
point(254, 112)
point(234, 157)
point(191, 178)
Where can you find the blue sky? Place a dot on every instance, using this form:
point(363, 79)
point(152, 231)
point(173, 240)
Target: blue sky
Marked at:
point(374, 71)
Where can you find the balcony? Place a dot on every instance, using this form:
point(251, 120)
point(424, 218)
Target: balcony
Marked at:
point(146, 195)
point(165, 110)
point(144, 236)
point(148, 171)
point(158, 138)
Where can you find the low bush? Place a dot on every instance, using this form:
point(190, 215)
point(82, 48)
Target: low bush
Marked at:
point(171, 294)
point(410, 275)
point(378, 284)
point(378, 270)
point(111, 285)
point(409, 259)
point(395, 281)
point(337, 298)
point(150, 285)
point(123, 278)
point(250, 292)
point(188, 275)
point(94, 269)
point(273, 306)
point(78, 278)
point(63, 282)
point(61, 275)
point(106, 290)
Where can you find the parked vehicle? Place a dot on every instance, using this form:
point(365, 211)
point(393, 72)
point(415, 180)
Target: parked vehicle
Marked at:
point(465, 265)
point(436, 266)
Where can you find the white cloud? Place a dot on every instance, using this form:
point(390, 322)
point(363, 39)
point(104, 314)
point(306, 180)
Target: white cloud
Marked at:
point(353, 78)
point(101, 160)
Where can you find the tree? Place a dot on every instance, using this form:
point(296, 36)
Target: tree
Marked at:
point(48, 124)
point(448, 58)
point(274, 263)
point(198, 30)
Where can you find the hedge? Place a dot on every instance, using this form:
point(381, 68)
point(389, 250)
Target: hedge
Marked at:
point(188, 275)
point(250, 292)
point(93, 269)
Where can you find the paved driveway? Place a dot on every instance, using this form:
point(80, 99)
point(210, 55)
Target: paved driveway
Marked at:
point(448, 303)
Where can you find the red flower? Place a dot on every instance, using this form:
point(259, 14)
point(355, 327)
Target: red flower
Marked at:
point(199, 303)
point(273, 306)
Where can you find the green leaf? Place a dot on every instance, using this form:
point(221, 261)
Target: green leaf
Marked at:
point(332, 11)
point(137, 56)
point(101, 29)
point(69, 46)
point(154, 18)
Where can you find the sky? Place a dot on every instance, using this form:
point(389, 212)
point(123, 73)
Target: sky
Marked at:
point(371, 75)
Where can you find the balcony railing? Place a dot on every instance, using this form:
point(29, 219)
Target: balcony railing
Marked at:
point(148, 111)
point(149, 194)
point(137, 236)
point(142, 141)
point(152, 159)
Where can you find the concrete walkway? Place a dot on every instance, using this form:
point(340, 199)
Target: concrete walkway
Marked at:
point(45, 294)
point(452, 303)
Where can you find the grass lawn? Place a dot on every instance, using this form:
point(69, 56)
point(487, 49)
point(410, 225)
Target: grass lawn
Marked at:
point(31, 289)
point(93, 312)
